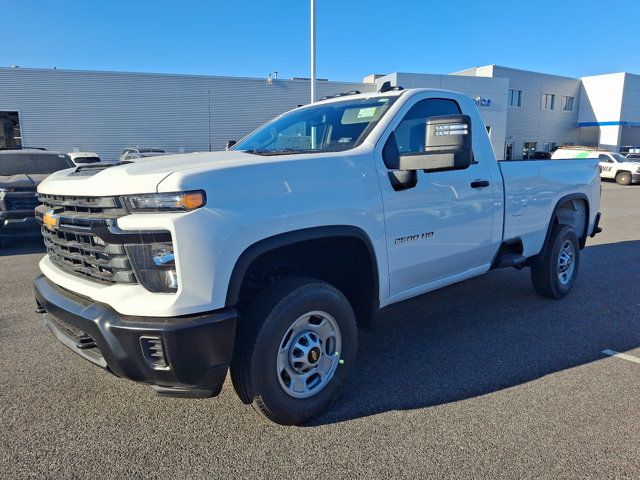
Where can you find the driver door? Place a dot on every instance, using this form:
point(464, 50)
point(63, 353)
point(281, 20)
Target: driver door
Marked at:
point(442, 227)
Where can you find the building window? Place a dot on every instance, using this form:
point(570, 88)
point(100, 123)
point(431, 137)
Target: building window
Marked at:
point(567, 104)
point(528, 149)
point(10, 136)
point(548, 101)
point(515, 98)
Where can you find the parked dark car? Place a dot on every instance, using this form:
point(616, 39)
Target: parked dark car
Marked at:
point(21, 171)
point(541, 156)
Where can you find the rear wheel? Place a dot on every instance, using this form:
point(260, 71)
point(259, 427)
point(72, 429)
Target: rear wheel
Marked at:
point(294, 349)
point(555, 269)
point(623, 178)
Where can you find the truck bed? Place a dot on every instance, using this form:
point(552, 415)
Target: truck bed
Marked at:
point(532, 189)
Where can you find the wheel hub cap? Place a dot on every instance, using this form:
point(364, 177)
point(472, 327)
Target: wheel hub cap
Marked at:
point(566, 263)
point(309, 354)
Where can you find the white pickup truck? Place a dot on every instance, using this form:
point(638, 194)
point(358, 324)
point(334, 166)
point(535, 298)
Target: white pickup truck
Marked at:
point(267, 257)
point(613, 166)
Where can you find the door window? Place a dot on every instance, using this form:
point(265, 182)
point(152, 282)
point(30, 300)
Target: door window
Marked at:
point(410, 134)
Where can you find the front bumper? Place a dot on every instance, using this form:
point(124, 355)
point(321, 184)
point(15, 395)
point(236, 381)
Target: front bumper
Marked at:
point(179, 356)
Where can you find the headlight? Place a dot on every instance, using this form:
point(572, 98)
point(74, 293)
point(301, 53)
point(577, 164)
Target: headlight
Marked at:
point(154, 265)
point(166, 202)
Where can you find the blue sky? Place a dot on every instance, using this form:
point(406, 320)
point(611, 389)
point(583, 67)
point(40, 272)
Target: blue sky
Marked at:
point(355, 37)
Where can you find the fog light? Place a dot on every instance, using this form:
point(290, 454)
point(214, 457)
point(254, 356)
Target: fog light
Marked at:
point(154, 266)
point(153, 352)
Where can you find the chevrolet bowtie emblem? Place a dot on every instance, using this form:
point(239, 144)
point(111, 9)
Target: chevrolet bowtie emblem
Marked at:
point(51, 220)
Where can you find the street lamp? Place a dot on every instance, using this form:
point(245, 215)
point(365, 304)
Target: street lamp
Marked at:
point(313, 51)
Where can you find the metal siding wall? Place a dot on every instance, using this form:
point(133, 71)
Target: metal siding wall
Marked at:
point(531, 124)
point(106, 112)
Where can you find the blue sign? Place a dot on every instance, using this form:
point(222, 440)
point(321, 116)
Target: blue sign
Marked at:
point(483, 102)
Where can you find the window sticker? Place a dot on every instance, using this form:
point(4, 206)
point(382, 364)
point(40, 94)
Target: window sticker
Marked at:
point(344, 140)
point(367, 112)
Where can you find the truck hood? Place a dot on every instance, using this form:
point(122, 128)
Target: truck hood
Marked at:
point(142, 176)
point(22, 181)
point(632, 166)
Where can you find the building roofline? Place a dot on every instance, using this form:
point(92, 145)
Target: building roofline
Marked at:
point(159, 74)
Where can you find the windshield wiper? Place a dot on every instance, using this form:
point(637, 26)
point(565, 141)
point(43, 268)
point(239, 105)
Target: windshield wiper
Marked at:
point(275, 151)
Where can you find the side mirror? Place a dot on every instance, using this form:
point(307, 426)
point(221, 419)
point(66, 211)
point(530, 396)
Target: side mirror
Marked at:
point(447, 146)
point(230, 144)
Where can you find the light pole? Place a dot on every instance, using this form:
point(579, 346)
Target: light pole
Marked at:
point(313, 51)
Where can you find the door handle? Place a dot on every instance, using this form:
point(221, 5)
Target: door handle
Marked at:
point(480, 184)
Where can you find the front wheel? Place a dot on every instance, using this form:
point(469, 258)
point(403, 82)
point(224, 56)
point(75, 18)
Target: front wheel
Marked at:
point(555, 269)
point(623, 178)
point(294, 349)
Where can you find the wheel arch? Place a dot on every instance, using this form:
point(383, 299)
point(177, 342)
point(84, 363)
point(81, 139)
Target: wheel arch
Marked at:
point(289, 239)
point(560, 215)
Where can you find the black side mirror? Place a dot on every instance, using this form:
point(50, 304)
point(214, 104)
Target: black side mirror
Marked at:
point(447, 146)
point(230, 144)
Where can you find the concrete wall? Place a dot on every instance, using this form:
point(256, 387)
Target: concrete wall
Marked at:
point(495, 89)
point(601, 103)
point(106, 112)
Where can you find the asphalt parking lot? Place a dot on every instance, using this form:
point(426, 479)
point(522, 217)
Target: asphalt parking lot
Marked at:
point(483, 379)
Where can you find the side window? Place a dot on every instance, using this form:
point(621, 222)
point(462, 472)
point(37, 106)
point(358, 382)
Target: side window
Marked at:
point(604, 158)
point(409, 135)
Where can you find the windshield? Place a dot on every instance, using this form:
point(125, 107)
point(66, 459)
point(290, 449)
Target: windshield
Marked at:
point(33, 164)
point(151, 150)
point(86, 160)
point(329, 127)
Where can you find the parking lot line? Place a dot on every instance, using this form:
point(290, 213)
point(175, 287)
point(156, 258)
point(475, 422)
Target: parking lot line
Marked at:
point(623, 356)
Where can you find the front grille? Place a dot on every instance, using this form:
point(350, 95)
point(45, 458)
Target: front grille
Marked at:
point(74, 246)
point(100, 207)
point(23, 200)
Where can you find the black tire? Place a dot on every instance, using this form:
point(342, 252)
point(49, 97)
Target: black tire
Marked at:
point(261, 331)
point(623, 178)
point(545, 272)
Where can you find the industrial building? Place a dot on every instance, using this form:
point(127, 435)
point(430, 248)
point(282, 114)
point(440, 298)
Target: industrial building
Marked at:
point(106, 112)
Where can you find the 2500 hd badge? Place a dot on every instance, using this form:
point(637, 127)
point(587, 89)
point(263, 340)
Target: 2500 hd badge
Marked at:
point(413, 238)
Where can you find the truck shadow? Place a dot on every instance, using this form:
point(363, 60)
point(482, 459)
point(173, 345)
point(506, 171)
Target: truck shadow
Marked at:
point(492, 333)
point(21, 245)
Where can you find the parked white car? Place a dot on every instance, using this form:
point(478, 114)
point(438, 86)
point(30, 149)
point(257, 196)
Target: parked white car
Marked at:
point(613, 166)
point(265, 258)
point(83, 158)
point(134, 153)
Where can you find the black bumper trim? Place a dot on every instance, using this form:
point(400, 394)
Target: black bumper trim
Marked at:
point(596, 226)
point(198, 347)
